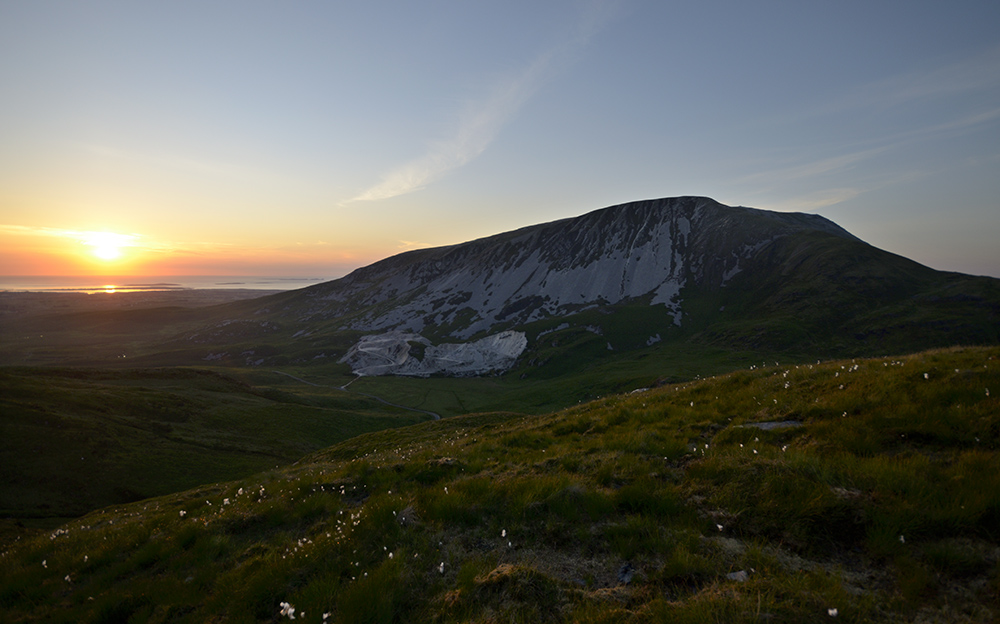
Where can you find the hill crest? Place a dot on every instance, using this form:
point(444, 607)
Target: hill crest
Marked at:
point(650, 248)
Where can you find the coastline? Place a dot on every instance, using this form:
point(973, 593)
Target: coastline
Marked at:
point(19, 304)
point(118, 283)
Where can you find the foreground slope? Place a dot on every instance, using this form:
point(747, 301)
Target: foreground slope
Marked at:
point(866, 490)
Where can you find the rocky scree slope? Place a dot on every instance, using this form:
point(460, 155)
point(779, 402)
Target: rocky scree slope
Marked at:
point(646, 249)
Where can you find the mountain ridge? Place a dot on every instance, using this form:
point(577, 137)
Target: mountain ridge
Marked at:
point(688, 268)
point(646, 280)
point(645, 248)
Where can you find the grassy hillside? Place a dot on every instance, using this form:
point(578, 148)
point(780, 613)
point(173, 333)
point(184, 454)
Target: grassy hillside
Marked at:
point(74, 440)
point(861, 491)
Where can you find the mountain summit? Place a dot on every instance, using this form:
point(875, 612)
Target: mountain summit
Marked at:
point(647, 249)
point(635, 274)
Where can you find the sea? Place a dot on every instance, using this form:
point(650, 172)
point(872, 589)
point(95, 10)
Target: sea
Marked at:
point(90, 284)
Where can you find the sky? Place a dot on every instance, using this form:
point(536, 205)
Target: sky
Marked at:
point(314, 137)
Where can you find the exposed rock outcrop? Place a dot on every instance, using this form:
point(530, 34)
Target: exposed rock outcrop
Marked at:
point(647, 249)
point(393, 353)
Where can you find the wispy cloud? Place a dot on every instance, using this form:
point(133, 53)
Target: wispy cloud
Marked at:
point(965, 79)
point(834, 164)
point(781, 175)
point(405, 245)
point(957, 125)
point(82, 236)
point(814, 200)
point(185, 165)
point(978, 73)
point(91, 237)
point(483, 119)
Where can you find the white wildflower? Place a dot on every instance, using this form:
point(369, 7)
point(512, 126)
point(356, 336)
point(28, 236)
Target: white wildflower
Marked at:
point(902, 540)
point(926, 376)
point(287, 610)
point(832, 612)
point(441, 567)
point(44, 565)
point(183, 513)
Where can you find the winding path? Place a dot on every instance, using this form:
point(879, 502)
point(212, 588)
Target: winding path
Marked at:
point(434, 415)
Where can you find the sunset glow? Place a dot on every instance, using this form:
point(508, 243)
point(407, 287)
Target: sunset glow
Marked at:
point(107, 245)
point(144, 138)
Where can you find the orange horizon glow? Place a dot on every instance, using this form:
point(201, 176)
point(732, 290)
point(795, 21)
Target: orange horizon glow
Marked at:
point(108, 245)
point(41, 251)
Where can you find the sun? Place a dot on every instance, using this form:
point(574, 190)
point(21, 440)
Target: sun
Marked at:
point(107, 252)
point(107, 246)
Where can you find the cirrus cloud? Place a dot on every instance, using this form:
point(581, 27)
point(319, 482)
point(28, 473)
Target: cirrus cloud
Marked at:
point(483, 119)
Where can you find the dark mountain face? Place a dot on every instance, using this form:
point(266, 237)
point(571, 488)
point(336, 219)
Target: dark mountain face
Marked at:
point(685, 268)
point(664, 277)
point(649, 249)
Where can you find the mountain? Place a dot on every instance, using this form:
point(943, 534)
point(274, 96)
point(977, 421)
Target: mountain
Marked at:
point(649, 249)
point(630, 294)
point(636, 274)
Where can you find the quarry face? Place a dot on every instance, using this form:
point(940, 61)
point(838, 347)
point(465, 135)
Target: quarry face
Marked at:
point(399, 353)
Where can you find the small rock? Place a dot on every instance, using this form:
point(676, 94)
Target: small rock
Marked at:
point(626, 573)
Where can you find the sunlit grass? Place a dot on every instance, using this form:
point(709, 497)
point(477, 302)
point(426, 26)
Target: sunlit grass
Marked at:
point(876, 499)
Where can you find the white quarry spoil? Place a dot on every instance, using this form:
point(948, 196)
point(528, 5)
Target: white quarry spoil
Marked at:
point(390, 354)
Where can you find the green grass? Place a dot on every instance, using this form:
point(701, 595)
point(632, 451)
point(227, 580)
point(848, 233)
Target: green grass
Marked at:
point(882, 502)
point(73, 440)
point(521, 390)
